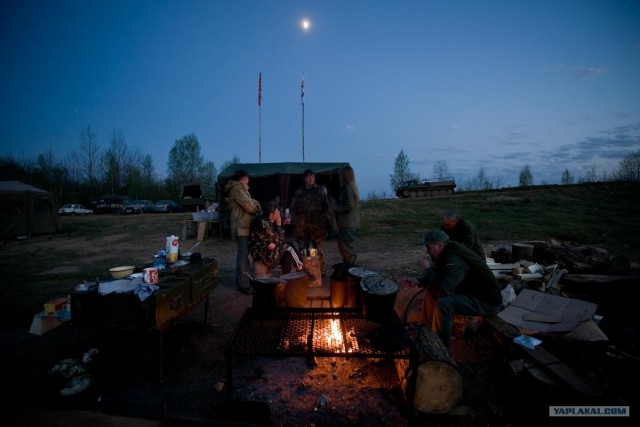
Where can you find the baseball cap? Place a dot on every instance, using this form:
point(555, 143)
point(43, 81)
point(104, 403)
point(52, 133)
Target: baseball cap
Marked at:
point(435, 236)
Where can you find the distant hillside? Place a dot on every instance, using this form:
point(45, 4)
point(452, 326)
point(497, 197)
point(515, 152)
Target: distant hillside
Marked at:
point(596, 214)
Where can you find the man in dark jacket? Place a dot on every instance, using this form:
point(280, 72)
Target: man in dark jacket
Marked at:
point(310, 214)
point(457, 281)
point(461, 231)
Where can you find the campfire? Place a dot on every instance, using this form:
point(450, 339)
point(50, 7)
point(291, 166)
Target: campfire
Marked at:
point(326, 335)
point(316, 364)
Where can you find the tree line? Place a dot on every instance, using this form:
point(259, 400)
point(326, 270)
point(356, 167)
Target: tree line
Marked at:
point(628, 170)
point(90, 171)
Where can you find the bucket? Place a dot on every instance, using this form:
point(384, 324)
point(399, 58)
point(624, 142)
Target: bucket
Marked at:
point(268, 292)
point(313, 266)
point(295, 289)
point(379, 297)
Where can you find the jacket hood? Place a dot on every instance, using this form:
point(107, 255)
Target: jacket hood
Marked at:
point(231, 184)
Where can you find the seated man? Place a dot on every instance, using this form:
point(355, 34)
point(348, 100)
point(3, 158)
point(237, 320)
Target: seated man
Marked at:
point(266, 241)
point(457, 281)
point(461, 231)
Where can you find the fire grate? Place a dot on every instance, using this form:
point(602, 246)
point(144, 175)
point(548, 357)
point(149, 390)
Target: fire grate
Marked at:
point(310, 332)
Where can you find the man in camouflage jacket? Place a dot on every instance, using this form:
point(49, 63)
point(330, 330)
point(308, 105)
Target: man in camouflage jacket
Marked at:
point(310, 213)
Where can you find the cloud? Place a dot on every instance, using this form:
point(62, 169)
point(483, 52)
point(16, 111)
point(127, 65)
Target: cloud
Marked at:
point(614, 143)
point(579, 120)
point(585, 72)
point(516, 156)
point(349, 127)
point(624, 114)
point(454, 128)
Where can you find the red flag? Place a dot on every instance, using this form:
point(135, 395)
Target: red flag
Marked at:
point(260, 90)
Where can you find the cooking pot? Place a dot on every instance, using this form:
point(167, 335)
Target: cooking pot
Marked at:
point(344, 285)
point(379, 297)
point(268, 292)
point(295, 289)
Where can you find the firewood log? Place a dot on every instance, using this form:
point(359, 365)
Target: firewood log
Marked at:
point(438, 385)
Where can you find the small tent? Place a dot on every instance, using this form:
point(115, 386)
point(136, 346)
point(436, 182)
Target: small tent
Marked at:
point(268, 180)
point(25, 210)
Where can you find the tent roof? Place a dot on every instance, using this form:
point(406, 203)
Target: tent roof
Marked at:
point(286, 168)
point(18, 187)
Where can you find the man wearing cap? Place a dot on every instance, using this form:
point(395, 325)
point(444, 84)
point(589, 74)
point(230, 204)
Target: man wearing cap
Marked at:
point(457, 281)
point(309, 212)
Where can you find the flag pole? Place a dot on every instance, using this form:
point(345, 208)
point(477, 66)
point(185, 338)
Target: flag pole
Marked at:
point(302, 104)
point(260, 118)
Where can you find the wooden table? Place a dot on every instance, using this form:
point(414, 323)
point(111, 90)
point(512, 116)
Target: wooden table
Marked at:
point(179, 293)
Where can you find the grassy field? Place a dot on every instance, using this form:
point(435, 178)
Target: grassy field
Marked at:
point(597, 214)
point(45, 267)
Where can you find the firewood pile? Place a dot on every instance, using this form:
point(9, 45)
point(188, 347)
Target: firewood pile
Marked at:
point(593, 361)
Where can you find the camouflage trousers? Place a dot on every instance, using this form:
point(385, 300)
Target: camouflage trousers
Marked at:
point(311, 231)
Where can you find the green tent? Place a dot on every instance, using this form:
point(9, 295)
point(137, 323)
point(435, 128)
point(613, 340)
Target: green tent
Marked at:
point(268, 180)
point(26, 210)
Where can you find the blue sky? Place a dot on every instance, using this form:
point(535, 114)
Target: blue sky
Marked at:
point(491, 84)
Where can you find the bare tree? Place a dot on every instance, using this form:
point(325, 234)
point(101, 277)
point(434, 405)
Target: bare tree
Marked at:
point(590, 176)
point(88, 156)
point(114, 162)
point(526, 177)
point(441, 170)
point(208, 172)
point(401, 171)
point(567, 178)
point(185, 162)
point(629, 168)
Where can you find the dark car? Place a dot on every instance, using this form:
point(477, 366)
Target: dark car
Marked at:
point(166, 206)
point(138, 206)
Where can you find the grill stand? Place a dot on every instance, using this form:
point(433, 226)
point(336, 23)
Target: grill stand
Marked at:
point(272, 333)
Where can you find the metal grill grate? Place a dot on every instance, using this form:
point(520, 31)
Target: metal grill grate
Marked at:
point(308, 332)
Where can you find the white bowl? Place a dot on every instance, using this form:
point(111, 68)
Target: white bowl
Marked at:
point(120, 272)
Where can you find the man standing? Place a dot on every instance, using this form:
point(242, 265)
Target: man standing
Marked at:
point(457, 281)
point(310, 213)
point(462, 231)
point(242, 207)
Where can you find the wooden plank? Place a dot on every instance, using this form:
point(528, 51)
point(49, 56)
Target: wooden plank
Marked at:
point(545, 360)
point(202, 227)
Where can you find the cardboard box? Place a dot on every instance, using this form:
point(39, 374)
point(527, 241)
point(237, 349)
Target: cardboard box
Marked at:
point(56, 305)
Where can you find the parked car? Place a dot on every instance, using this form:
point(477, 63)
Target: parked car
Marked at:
point(74, 209)
point(110, 204)
point(166, 206)
point(138, 206)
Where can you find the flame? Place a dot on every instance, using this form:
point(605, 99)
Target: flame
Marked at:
point(334, 337)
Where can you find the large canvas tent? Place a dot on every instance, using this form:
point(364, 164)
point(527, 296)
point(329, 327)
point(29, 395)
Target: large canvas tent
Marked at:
point(26, 210)
point(268, 180)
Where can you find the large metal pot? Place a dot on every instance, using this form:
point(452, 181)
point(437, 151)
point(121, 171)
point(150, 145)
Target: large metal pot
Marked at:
point(379, 297)
point(295, 290)
point(268, 292)
point(344, 285)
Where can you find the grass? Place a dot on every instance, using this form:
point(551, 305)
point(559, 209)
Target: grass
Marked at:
point(603, 214)
point(596, 214)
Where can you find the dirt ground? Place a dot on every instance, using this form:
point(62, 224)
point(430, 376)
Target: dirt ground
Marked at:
point(193, 387)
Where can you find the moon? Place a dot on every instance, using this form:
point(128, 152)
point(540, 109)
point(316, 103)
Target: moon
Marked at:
point(305, 24)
